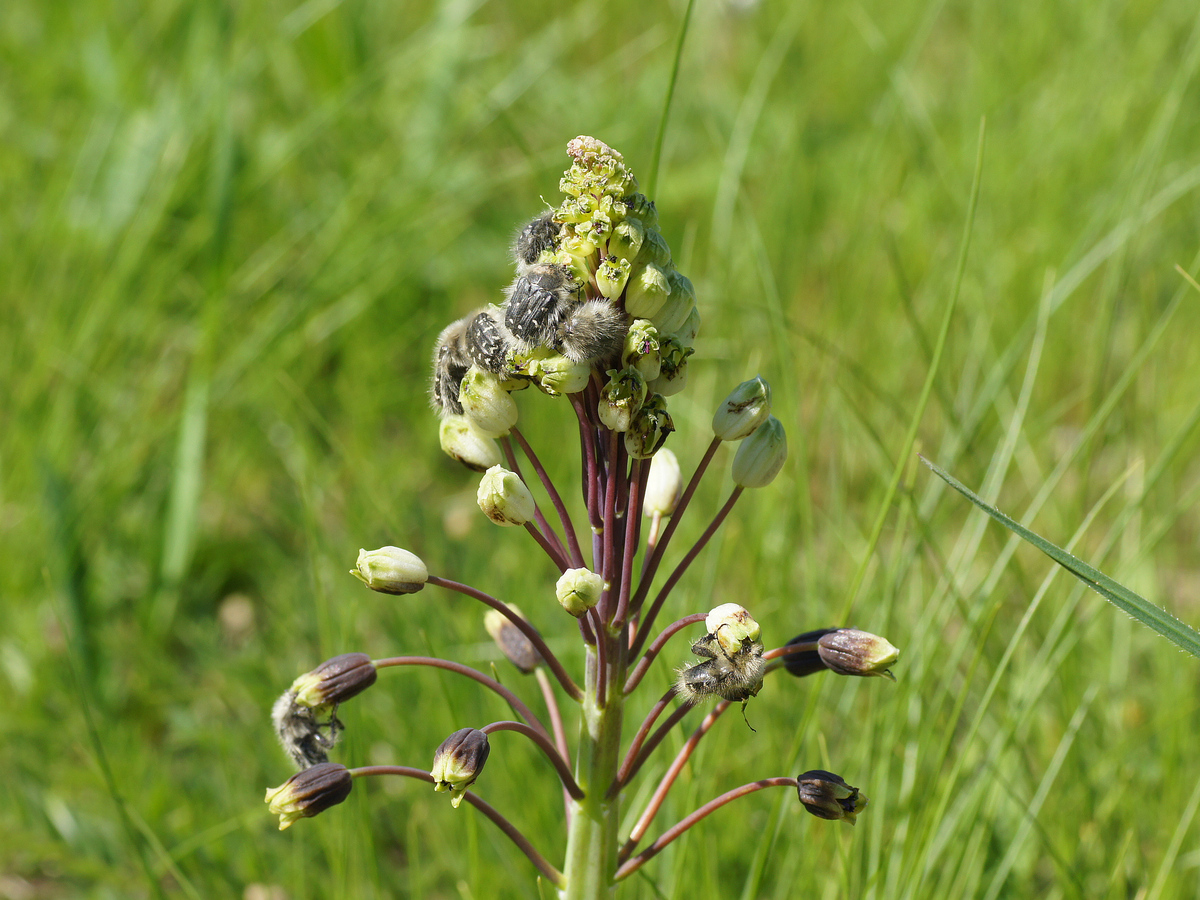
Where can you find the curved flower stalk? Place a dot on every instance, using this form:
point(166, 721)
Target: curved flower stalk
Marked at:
point(598, 313)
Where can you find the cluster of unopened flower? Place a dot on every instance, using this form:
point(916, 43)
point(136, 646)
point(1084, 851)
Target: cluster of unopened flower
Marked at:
point(599, 313)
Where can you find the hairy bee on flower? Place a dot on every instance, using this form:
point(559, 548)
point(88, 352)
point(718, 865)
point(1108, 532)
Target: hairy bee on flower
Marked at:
point(305, 737)
point(538, 236)
point(451, 359)
point(538, 303)
point(594, 331)
point(489, 341)
point(730, 670)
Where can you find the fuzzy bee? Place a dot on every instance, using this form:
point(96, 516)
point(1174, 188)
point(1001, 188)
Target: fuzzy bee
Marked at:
point(451, 359)
point(538, 302)
point(489, 341)
point(731, 670)
point(540, 235)
point(305, 737)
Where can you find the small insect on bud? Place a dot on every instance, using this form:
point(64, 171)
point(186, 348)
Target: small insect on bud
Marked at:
point(746, 407)
point(335, 680)
point(641, 349)
point(732, 666)
point(621, 398)
point(578, 590)
point(807, 661)
point(486, 403)
point(458, 761)
point(827, 796)
point(665, 485)
point(391, 570)
point(761, 455)
point(649, 428)
point(310, 792)
point(647, 291)
point(504, 498)
point(540, 235)
point(515, 646)
point(849, 651)
point(463, 440)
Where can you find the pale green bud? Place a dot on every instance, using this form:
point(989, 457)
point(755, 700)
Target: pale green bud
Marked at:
point(597, 228)
point(647, 290)
point(761, 455)
point(655, 249)
point(626, 239)
point(596, 169)
point(641, 349)
point(649, 428)
point(672, 356)
point(391, 570)
point(664, 486)
point(459, 761)
point(555, 374)
point(690, 328)
point(621, 398)
point(576, 245)
point(463, 440)
point(672, 315)
point(849, 651)
point(310, 792)
point(611, 276)
point(504, 498)
point(578, 590)
point(827, 796)
point(486, 403)
point(731, 624)
point(746, 407)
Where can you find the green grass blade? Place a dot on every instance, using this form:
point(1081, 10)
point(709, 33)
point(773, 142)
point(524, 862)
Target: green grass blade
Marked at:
point(1158, 620)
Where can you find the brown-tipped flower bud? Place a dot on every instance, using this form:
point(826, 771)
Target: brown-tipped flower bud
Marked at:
point(503, 497)
point(391, 570)
point(672, 359)
point(621, 398)
point(827, 796)
point(513, 643)
point(458, 762)
point(664, 486)
point(335, 681)
point(578, 590)
point(486, 403)
point(309, 792)
point(807, 661)
point(746, 407)
point(731, 624)
point(849, 651)
point(761, 455)
point(649, 428)
point(463, 440)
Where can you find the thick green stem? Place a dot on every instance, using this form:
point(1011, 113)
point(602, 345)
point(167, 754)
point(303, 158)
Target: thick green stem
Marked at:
point(592, 839)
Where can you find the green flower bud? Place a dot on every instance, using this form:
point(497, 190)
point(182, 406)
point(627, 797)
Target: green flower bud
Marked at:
point(504, 498)
point(598, 226)
point(761, 455)
point(849, 651)
point(827, 796)
point(391, 570)
point(672, 356)
point(626, 239)
point(513, 643)
point(486, 403)
point(463, 440)
point(690, 328)
point(746, 407)
point(612, 275)
point(654, 249)
point(621, 398)
point(458, 762)
point(310, 792)
point(596, 169)
point(649, 428)
point(647, 290)
point(664, 486)
point(641, 207)
point(578, 246)
point(554, 373)
point(641, 349)
point(731, 624)
point(671, 317)
point(335, 681)
point(806, 662)
point(578, 590)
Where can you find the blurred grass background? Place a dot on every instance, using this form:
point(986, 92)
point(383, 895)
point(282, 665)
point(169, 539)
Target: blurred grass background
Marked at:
point(230, 234)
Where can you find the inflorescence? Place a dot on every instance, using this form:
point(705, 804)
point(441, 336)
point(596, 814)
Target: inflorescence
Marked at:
point(598, 313)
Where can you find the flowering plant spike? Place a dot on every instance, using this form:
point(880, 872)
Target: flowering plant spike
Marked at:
point(597, 313)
